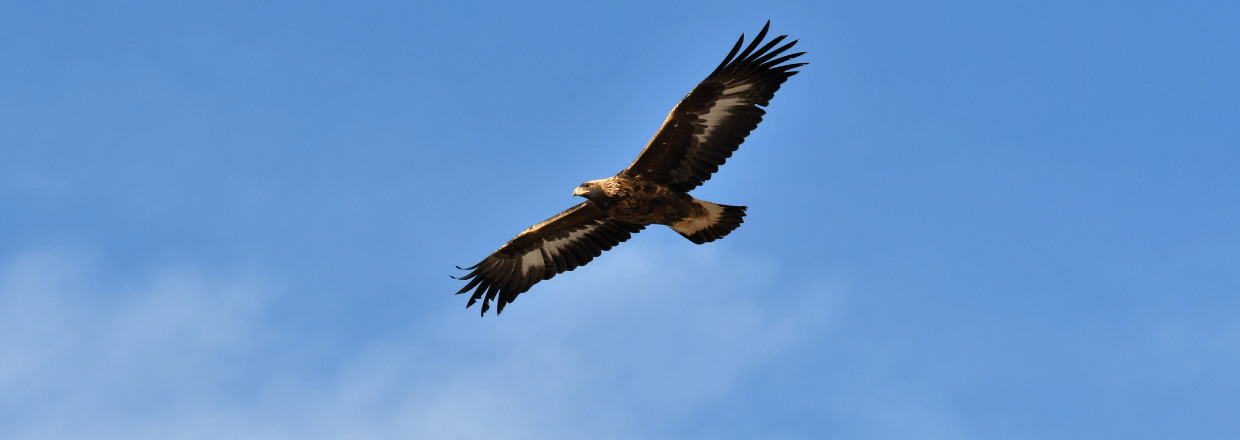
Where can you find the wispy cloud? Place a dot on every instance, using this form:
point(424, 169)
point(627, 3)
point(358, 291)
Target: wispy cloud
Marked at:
point(646, 338)
point(79, 355)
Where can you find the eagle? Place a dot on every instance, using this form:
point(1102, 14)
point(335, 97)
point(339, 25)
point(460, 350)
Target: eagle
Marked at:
point(698, 136)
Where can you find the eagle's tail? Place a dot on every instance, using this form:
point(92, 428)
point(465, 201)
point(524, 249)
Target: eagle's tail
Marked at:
point(718, 221)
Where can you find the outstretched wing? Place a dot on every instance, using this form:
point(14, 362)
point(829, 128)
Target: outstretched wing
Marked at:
point(570, 239)
point(712, 121)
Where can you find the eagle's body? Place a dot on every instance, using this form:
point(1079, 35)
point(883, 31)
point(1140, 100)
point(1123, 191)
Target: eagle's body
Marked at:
point(699, 135)
point(637, 200)
point(642, 201)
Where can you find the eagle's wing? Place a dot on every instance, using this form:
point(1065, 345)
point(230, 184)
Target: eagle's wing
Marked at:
point(572, 238)
point(713, 120)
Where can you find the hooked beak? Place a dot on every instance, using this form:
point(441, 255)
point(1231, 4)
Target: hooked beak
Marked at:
point(579, 192)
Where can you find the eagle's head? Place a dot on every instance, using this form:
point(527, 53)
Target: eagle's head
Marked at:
point(590, 190)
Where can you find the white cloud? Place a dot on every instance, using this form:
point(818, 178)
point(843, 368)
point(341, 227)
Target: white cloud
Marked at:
point(624, 348)
point(78, 356)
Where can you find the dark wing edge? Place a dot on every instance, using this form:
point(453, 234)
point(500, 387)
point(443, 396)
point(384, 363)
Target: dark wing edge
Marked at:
point(562, 243)
point(712, 121)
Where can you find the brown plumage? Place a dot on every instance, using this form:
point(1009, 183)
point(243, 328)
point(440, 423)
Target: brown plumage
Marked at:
point(699, 135)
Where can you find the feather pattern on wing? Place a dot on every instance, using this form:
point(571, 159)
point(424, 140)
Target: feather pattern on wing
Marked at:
point(570, 239)
point(712, 121)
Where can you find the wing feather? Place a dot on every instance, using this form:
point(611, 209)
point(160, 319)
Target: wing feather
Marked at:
point(561, 243)
point(712, 121)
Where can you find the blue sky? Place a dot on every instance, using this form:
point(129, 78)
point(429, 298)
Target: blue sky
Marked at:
point(968, 220)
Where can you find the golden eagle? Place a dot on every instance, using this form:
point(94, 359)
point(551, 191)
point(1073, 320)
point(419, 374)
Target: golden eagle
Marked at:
point(698, 136)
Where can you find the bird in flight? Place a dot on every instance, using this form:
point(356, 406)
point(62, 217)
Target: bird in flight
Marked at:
point(699, 134)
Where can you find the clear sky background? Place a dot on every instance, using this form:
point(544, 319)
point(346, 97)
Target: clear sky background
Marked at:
point(968, 220)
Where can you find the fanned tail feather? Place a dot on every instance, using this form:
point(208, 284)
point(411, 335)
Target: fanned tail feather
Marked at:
point(718, 222)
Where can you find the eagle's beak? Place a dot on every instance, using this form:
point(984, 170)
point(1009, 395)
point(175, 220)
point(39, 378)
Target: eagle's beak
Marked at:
point(579, 192)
